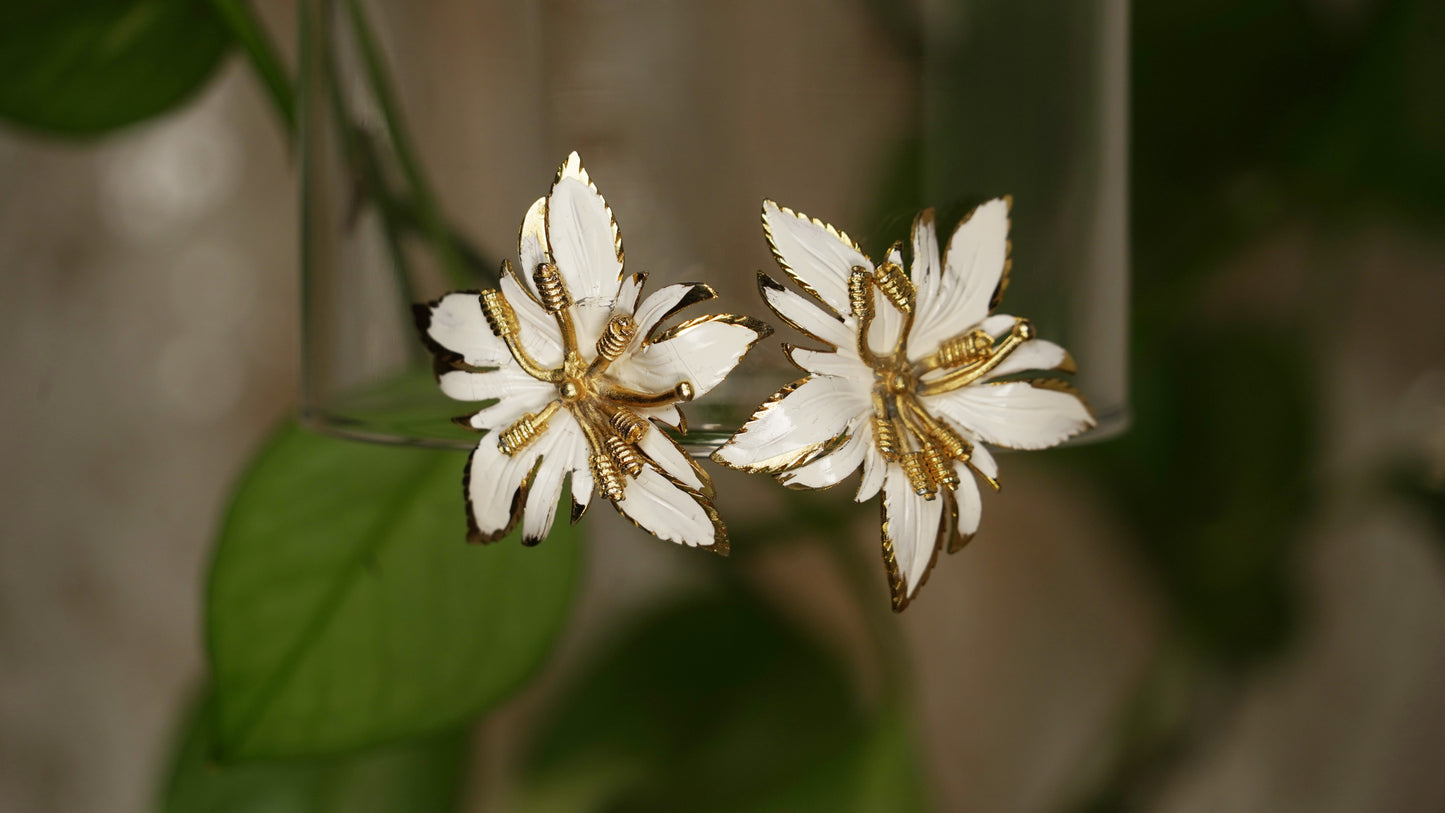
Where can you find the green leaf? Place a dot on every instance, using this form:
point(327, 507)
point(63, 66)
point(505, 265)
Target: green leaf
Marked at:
point(83, 66)
point(716, 704)
point(345, 608)
point(422, 776)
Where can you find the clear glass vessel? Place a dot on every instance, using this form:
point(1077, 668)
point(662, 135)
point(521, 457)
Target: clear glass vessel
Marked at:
point(429, 128)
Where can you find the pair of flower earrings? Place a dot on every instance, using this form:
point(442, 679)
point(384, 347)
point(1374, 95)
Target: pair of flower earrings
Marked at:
point(916, 373)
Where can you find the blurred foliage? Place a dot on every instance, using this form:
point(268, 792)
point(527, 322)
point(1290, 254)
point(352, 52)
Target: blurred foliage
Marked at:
point(343, 609)
point(718, 701)
point(422, 776)
point(81, 67)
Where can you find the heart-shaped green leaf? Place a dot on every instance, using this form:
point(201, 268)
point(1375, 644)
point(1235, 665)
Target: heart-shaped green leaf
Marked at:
point(345, 608)
point(419, 776)
point(84, 67)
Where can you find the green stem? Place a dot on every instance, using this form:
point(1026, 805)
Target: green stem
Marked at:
point(251, 36)
point(427, 209)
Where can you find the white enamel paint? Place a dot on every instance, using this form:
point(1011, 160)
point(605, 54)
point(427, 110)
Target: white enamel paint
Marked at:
point(666, 510)
point(1015, 415)
point(457, 323)
point(702, 354)
point(912, 524)
point(669, 457)
point(831, 469)
point(816, 412)
point(797, 310)
point(815, 258)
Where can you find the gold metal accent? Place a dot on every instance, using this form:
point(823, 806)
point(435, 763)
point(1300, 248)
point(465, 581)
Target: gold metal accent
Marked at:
point(969, 348)
point(503, 322)
point(917, 476)
point(897, 287)
point(626, 456)
point(1023, 330)
point(606, 475)
point(629, 425)
point(551, 288)
point(937, 467)
point(860, 293)
point(526, 429)
point(500, 316)
point(615, 338)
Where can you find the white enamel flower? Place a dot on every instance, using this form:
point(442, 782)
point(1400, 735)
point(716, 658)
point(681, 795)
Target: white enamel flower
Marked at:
point(580, 372)
point(912, 383)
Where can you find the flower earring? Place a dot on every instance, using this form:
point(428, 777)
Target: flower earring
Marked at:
point(579, 373)
point(914, 380)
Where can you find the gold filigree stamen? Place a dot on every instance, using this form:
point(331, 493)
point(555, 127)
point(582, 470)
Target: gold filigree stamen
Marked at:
point(613, 342)
point(629, 426)
point(526, 429)
point(897, 287)
point(1023, 330)
point(503, 322)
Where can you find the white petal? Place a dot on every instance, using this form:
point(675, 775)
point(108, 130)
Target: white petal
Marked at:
point(500, 415)
point(982, 460)
point(830, 469)
point(546, 488)
point(912, 524)
point(669, 511)
point(663, 303)
point(842, 365)
point(504, 383)
point(492, 484)
point(532, 243)
point(887, 319)
point(818, 257)
point(628, 292)
point(927, 271)
point(796, 424)
point(874, 468)
point(540, 334)
point(1016, 414)
point(972, 267)
point(806, 317)
point(671, 458)
point(581, 235)
point(581, 479)
point(456, 323)
point(702, 351)
point(1034, 354)
point(970, 505)
point(670, 415)
point(589, 319)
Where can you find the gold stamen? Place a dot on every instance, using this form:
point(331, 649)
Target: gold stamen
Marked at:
point(620, 331)
point(503, 322)
point(1023, 330)
point(525, 430)
point(897, 287)
point(550, 288)
point(913, 466)
point(682, 392)
point(629, 425)
point(938, 469)
point(624, 455)
point(606, 475)
point(500, 316)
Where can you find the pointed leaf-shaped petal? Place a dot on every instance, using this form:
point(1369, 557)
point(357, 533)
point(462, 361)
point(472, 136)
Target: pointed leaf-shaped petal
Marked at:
point(817, 256)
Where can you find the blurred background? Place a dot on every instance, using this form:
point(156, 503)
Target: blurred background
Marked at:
point(1237, 605)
